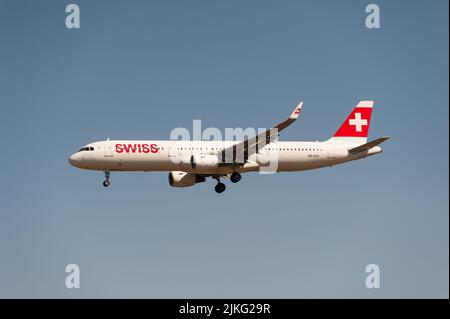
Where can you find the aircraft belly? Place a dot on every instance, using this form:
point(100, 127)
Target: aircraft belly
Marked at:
point(301, 163)
point(160, 162)
point(134, 162)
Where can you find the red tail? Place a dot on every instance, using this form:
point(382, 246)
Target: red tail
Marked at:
point(358, 122)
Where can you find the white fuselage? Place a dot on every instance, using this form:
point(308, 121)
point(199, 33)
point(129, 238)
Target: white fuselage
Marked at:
point(159, 155)
point(191, 162)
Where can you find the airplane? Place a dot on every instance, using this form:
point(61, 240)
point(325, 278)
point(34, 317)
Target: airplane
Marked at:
point(191, 162)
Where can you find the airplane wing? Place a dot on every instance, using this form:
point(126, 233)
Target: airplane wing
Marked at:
point(239, 152)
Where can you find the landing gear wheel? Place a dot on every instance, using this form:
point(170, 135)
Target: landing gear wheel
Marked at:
point(220, 188)
point(106, 181)
point(235, 177)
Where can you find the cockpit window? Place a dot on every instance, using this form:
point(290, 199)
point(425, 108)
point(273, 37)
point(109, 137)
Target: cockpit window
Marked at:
point(86, 149)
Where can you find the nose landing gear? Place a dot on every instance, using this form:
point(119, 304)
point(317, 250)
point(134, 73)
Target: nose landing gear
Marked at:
point(106, 182)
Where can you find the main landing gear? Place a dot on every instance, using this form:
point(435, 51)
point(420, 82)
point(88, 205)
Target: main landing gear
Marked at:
point(220, 187)
point(106, 181)
point(235, 177)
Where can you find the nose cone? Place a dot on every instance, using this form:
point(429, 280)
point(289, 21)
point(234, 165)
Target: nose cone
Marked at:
point(74, 160)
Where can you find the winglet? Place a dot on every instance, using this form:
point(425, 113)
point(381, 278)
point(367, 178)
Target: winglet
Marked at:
point(297, 111)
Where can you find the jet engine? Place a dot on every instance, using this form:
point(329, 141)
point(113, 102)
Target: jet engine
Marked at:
point(199, 161)
point(183, 179)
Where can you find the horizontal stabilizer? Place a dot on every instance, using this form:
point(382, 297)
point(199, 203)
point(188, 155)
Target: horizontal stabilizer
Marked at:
point(367, 146)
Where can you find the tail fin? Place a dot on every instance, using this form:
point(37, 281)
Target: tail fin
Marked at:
point(355, 128)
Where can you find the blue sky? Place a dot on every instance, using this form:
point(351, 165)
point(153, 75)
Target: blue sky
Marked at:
point(138, 69)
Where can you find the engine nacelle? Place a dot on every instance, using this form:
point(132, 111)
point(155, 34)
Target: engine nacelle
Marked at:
point(264, 159)
point(199, 161)
point(183, 179)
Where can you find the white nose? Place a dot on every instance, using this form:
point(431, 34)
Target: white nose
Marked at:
point(74, 160)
